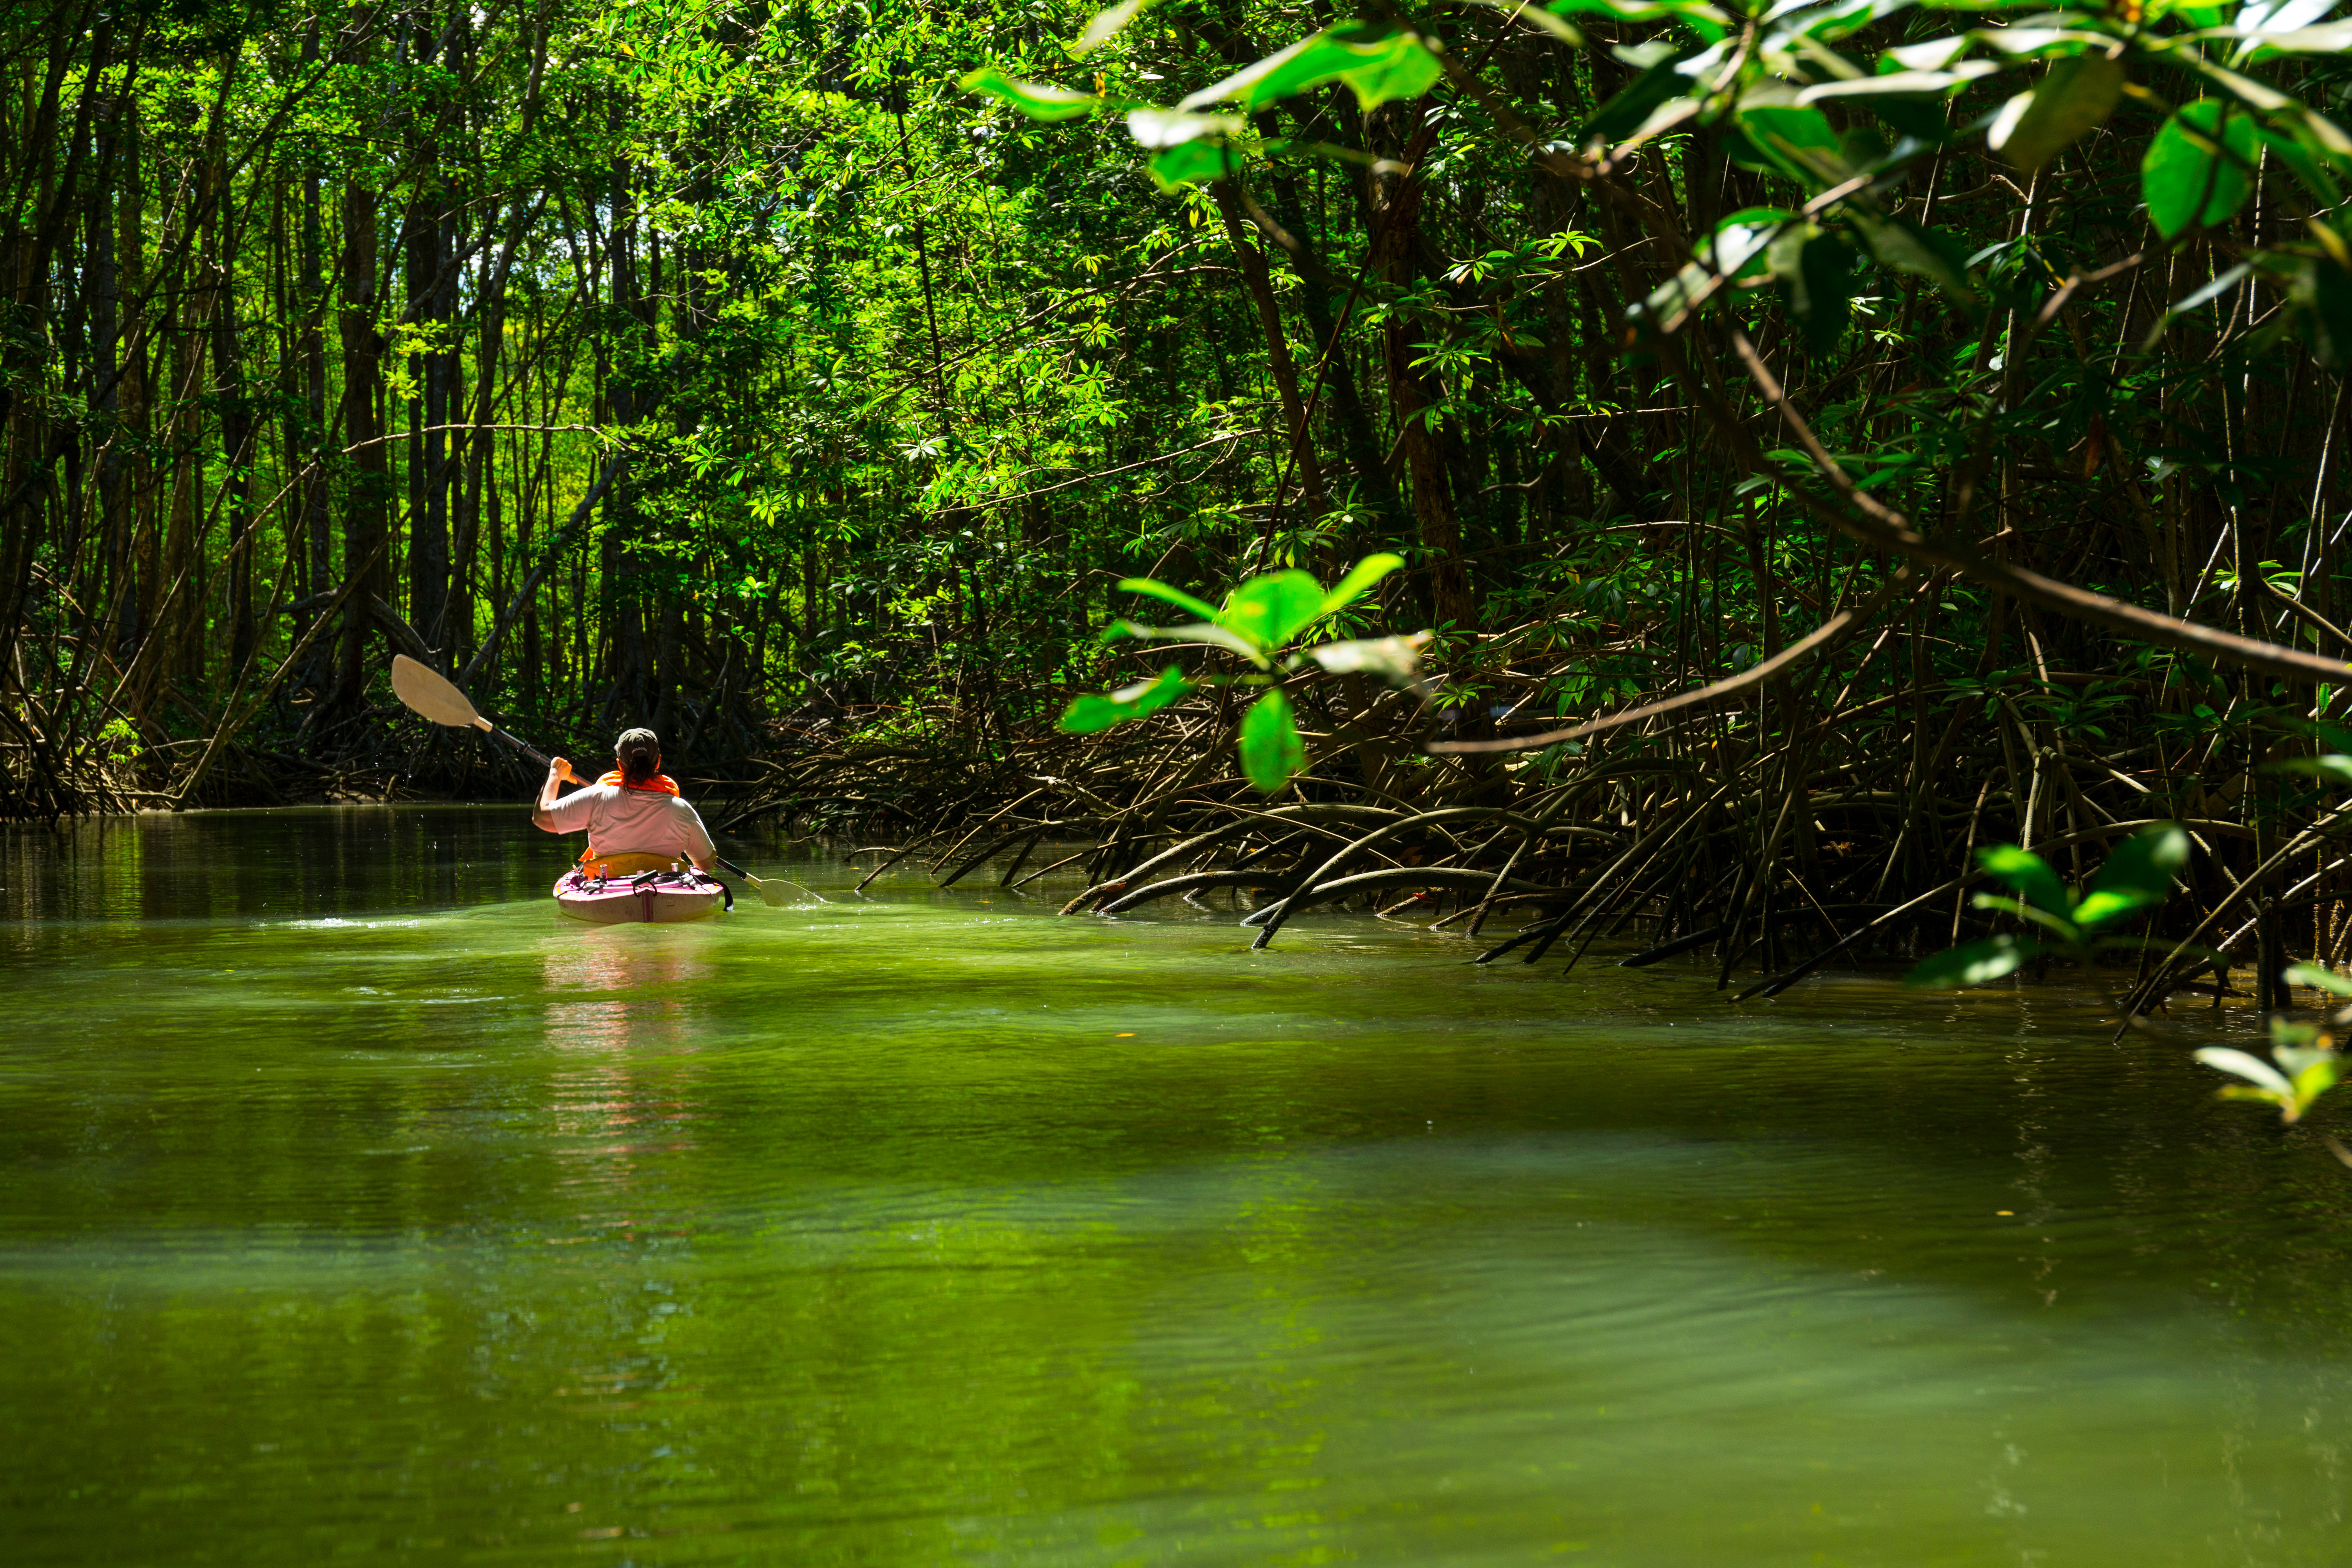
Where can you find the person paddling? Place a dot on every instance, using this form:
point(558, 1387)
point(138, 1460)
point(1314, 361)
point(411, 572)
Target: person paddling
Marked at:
point(634, 816)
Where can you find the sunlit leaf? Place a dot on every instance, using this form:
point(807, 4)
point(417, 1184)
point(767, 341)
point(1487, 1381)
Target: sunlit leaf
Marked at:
point(2254, 1069)
point(1038, 100)
point(1176, 596)
point(2336, 769)
point(1089, 713)
point(1973, 962)
point(2144, 865)
point(1396, 660)
point(1706, 21)
point(1378, 60)
point(1272, 609)
point(1198, 631)
point(1623, 114)
point(2028, 873)
point(2075, 98)
point(1175, 127)
point(1270, 747)
point(1193, 164)
point(2098, 908)
point(2195, 174)
point(1799, 141)
point(1106, 26)
point(1364, 573)
point(2318, 979)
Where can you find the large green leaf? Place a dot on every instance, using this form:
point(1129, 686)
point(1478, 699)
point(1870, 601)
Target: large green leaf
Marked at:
point(1622, 115)
point(1378, 60)
point(2029, 873)
point(2254, 1069)
point(1973, 962)
point(2335, 769)
point(1737, 248)
point(1176, 596)
point(1271, 749)
point(1800, 141)
point(1106, 26)
point(1272, 609)
point(2318, 978)
point(1929, 253)
point(2322, 291)
point(1038, 100)
point(1192, 164)
point(2144, 865)
point(1197, 631)
point(1365, 573)
point(1815, 274)
point(2195, 170)
point(1089, 713)
point(1706, 21)
point(2074, 98)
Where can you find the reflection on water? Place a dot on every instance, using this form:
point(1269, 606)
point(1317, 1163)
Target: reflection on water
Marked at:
point(355, 1203)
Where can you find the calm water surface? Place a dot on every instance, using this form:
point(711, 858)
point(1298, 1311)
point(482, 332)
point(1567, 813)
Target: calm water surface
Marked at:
point(354, 1206)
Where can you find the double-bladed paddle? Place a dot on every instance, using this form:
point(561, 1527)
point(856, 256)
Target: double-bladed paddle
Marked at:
point(434, 696)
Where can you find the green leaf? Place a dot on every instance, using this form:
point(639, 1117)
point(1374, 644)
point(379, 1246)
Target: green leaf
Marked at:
point(2312, 1081)
point(1272, 609)
point(2254, 1069)
point(1928, 253)
point(1378, 60)
point(1799, 141)
point(1365, 573)
point(1176, 596)
point(1106, 26)
point(1038, 100)
point(1198, 631)
point(2098, 908)
point(2322, 292)
point(2028, 874)
point(1737, 248)
point(2194, 173)
point(1193, 164)
point(2144, 865)
point(1815, 274)
point(1973, 962)
point(2335, 769)
point(1091, 713)
point(2073, 99)
point(1271, 749)
point(1623, 114)
point(1396, 660)
point(1706, 21)
point(2318, 979)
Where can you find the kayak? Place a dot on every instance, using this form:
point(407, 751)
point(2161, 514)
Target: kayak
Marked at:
point(662, 897)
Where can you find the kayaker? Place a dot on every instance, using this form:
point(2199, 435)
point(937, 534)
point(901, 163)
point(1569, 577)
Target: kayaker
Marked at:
point(635, 819)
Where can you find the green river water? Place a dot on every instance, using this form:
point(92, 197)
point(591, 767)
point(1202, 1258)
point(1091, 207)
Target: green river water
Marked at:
point(354, 1205)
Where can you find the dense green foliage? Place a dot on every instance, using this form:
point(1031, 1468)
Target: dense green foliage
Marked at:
point(757, 372)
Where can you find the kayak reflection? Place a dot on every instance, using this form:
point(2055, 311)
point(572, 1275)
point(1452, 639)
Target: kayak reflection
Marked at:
point(625, 987)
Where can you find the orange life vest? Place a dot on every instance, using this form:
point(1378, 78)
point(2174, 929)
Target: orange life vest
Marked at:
point(660, 783)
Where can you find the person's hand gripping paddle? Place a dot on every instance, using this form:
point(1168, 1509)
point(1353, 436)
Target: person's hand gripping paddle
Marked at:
point(432, 697)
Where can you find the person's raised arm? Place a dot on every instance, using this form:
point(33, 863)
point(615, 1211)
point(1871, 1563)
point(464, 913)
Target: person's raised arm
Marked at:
point(558, 773)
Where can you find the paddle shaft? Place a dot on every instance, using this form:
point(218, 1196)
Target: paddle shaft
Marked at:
point(485, 725)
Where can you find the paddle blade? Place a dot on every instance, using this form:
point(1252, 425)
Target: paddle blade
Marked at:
point(774, 892)
point(430, 695)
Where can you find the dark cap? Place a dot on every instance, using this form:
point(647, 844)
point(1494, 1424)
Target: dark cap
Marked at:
point(636, 743)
